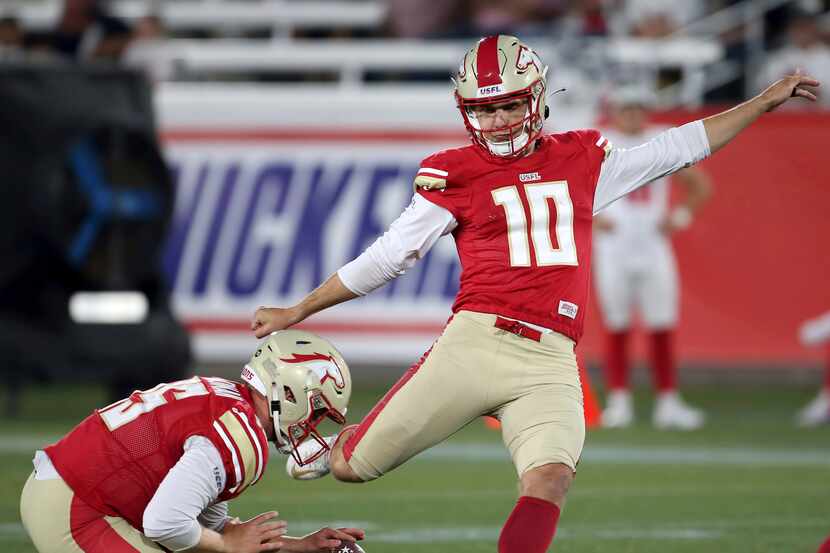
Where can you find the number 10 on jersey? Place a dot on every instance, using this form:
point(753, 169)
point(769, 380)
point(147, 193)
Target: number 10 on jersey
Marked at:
point(538, 195)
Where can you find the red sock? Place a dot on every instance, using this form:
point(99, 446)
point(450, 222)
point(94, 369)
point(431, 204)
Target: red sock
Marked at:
point(825, 547)
point(530, 527)
point(616, 360)
point(662, 361)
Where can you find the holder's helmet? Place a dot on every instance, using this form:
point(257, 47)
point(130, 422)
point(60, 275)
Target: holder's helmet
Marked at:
point(305, 380)
point(498, 69)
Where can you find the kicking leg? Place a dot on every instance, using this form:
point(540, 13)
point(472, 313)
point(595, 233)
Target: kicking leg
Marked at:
point(434, 399)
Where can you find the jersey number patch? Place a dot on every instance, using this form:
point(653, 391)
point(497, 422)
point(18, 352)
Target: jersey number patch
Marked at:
point(518, 242)
point(127, 410)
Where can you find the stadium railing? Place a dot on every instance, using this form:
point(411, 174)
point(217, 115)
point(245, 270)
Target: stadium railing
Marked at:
point(350, 61)
point(279, 15)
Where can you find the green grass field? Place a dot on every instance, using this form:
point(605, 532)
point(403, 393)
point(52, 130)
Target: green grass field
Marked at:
point(749, 483)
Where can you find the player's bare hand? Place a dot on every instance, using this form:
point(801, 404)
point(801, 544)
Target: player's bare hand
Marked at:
point(791, 86)
point(230, 523)
point(261, 533)
point(323, 540)
point(270, 319)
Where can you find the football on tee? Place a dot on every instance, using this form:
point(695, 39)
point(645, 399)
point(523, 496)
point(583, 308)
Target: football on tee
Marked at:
point(348, 547)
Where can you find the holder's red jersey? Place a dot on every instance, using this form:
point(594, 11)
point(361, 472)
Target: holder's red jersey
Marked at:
point(524, 226)
point(115, 459)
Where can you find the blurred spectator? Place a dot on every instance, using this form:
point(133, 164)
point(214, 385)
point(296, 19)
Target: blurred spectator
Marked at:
point(146, 51)
point(113, 38)
point(592, 17)
point(75, 23)
point(11, 34)
point(149, 27)
point(805, 51)
point(520, 17)
point(410, 19)
point(39, 45)
point(657, 18)
point(85, 31)
point(472, 18)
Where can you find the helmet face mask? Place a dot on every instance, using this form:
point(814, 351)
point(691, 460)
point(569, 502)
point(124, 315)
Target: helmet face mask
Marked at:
point(497, 70)
point(306, 381)
point(320, 410)
point(516, 135)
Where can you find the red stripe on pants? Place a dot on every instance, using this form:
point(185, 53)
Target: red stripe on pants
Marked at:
point(827, 369)
point(92, 533)
point(366, 423)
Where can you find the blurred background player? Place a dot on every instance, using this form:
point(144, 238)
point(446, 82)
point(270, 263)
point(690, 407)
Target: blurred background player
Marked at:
point(154, 471)
point(816, 332)
point(635, 269)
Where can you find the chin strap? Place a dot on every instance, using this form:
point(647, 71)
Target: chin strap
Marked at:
point(504, 149)
point(281, 444)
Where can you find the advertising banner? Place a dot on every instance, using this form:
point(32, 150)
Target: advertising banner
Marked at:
point(270, 203)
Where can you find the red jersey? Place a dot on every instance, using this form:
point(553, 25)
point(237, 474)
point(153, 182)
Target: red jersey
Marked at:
point(524, 226)
point(115, 459)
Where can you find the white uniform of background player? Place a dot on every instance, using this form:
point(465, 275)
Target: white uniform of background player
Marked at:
point(635, 270)
point(816, 332)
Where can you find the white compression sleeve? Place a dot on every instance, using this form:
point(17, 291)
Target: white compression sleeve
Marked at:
point(408, 239)
point(626, 170)
point(215, 516)
point(190, 487)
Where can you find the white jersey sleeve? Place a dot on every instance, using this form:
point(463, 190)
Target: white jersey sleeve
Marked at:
point(625, 170)
point(215, 516)
point(408, 239)
point(189, 489)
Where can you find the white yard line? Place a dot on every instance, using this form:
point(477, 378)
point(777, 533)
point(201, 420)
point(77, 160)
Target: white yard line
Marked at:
point(626, 455)
point(668, 531)
point(464, 534)
point(651, 455)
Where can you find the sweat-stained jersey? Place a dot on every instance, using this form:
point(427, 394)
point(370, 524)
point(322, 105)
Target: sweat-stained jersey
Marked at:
point(115, 459)
point(524, 227)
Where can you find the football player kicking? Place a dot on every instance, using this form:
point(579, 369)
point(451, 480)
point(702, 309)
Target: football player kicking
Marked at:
point(154, 471)
point(519, 204)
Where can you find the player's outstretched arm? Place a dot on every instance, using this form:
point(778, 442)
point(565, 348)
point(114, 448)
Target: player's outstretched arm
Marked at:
point(269, 319)
point(408, 239)
point(723, 127)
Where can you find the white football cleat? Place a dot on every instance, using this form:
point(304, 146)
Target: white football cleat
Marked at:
point(672, 413)
point(815, 331)
point(817, 411)
point(619, 411)
point(315, 469)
